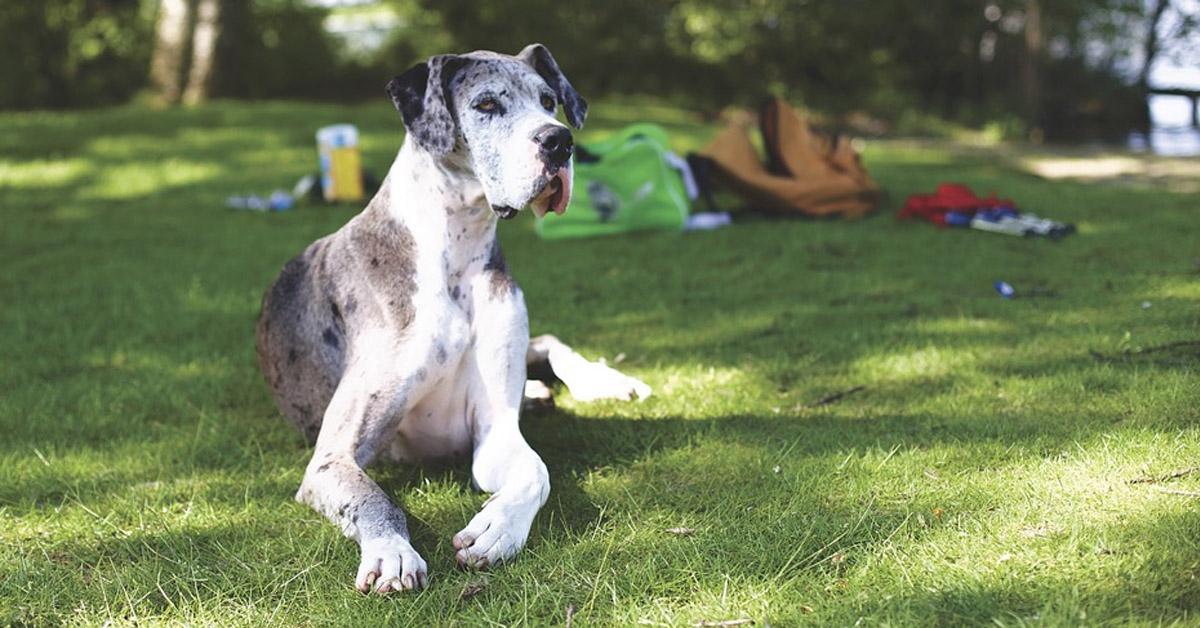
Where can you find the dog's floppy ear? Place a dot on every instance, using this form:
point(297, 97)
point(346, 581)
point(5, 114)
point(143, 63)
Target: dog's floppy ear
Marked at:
point(540, 58)
point(421, 97)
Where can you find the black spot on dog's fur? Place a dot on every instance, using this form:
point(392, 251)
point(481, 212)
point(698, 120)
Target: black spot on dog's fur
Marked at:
point(501, 282)
point(330, 338)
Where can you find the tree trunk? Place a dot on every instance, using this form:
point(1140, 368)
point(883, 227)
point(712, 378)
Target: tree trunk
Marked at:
point(1031, 65)
point(1150, 45)
point(170, 44)
point(204, 44)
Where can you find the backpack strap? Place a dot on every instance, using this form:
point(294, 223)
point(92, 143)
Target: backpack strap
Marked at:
point(702, 171)
point(768, 127)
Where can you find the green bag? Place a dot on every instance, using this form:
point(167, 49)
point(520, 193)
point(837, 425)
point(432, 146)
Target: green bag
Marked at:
point(624, 183)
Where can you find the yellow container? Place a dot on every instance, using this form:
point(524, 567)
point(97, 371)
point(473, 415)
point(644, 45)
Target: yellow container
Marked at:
point(341, 163)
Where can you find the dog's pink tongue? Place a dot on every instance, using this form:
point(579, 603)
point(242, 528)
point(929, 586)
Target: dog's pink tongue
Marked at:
point(562, 193)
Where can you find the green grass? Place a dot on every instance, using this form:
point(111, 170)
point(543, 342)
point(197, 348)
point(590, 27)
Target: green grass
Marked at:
point(981, 477)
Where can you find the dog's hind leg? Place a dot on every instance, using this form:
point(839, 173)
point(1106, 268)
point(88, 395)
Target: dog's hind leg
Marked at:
point(587, 380)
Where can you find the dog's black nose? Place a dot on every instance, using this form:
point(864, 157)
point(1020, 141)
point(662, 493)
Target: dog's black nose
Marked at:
point(555, 144)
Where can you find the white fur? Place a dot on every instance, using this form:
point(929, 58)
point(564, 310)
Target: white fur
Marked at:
point(504, 155)
point(587, 380)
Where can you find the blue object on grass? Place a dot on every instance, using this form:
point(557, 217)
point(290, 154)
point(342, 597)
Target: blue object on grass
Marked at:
point(1004, 289)
point(278, 201)
point(958, 219)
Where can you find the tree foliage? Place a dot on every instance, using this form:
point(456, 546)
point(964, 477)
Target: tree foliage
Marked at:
point(60, 53)
point(968, 60)
point(963, 59)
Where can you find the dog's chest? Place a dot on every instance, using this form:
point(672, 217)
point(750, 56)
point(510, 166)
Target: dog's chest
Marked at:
point(438, 424)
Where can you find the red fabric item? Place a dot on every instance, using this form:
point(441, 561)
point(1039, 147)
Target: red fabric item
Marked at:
point(948, 197)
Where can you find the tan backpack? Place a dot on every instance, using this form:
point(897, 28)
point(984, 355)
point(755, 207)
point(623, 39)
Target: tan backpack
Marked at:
point(805, 173)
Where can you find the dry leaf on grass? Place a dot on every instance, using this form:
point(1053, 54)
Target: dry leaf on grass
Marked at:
point(473, 588)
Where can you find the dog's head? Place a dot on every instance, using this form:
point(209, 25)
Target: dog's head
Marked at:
point(495, 115)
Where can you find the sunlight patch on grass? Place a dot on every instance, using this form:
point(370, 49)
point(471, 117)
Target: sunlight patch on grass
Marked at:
point(43, 172)
point(1186, 289)
point(963, 325)
point(1083, 168)
point(138, 179)
point(1093, 228)
point(732, 598)
point(701, 381)
point(922, 363)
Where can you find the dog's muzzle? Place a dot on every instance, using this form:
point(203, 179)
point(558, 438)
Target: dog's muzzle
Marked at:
point(553, 194)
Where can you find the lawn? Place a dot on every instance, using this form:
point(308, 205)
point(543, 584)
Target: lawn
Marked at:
point(1023, 462)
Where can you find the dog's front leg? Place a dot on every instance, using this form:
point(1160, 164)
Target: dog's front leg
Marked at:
point(503, 463)
point(360, 419)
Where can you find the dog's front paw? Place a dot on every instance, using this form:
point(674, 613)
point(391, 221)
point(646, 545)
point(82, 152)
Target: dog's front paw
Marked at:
point(494, 535)
point(592, 381)
point(390, 564)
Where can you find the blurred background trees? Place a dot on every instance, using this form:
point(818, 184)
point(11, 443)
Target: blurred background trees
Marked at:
point(1019, 63)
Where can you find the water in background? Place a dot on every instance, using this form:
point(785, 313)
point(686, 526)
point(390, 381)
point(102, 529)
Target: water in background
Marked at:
point(1171, 132)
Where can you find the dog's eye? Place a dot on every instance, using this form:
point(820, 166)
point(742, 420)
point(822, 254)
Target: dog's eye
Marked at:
point(487, 105)
point(548, 102)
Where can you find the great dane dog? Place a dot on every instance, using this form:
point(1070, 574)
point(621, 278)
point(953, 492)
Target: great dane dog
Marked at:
point(403, 333)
